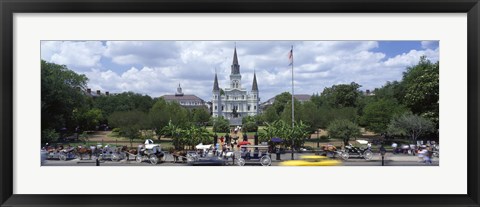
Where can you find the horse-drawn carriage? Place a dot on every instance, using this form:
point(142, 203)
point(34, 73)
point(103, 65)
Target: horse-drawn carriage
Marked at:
point(60, 152)
point(363, 150)
point(109, 152)
point(253, 154)
point(328, 150)
point(204, 155)
point(149, 152)
point(410, 149)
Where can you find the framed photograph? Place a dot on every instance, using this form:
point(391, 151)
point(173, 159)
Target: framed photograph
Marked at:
point(201, 103)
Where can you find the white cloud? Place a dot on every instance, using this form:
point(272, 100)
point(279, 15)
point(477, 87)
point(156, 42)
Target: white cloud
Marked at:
point(156, 67)
point(76, 54)
point(412, 57)
point(148, 53)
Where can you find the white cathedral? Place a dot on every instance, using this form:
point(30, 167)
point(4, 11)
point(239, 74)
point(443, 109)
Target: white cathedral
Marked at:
point(235, 103)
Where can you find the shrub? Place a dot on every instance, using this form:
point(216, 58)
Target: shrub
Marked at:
point(221, 125)
point(250, 127)
point(324, 137)
point(49, 135)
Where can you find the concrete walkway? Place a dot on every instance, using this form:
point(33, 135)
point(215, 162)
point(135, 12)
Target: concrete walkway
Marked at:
point(376, 157)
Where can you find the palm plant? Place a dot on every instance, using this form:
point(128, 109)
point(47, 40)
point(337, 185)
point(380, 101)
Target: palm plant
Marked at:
point(174, 131)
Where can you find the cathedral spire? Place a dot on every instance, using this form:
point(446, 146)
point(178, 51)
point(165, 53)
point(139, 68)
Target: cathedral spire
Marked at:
point(215, 84)
point(254, 85)
point(235, 65)
point(235, 59)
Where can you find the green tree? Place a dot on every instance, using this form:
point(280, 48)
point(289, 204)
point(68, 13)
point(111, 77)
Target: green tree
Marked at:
point(310, 115)
point(316, 99)
point(90, 119)
point(270, 115)
point(163, 112)
point(126, 101)
point(343, 129)
point(220, 125)
point(300, 133)
point(129, 122)
point(391, 90)
point(174, 132)
point(289, 135)
point(49, 135)
point(194, 135)
point(61, 94)
point(281, 102)
point(421, 84)
point(250, 127)
point(410, 125)
point(377, 114)
point(347, 113)
point(286, 115)
point(200, 115)
point(342, 95)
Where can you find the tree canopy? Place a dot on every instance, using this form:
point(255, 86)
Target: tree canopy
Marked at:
point(341, 95)
point(377, 114)
point(421, 84)
point(62, 94)
point(343, 129)
point(410, 125)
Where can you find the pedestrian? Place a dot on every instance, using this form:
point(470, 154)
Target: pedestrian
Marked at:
point(428, 156)
point(421, 155)
point(394, 146)
point(224, 149)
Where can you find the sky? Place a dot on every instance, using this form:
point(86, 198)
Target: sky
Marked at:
point(155, 68)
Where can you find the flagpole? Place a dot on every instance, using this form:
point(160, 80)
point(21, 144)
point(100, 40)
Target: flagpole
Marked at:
point(293, 107)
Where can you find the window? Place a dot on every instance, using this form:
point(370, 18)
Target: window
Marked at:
point(248, 108)
point(254, 107)
point(215, 107)
point(222, 108)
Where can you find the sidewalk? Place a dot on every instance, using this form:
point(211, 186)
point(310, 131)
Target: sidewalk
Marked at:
point(376, 157)
point(406, 158)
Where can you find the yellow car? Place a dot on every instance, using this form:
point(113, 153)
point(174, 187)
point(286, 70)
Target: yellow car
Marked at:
point(311, 160)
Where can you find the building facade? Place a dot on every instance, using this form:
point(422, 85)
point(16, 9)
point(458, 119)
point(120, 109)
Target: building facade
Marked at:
point(187, 101)
point(234, 102)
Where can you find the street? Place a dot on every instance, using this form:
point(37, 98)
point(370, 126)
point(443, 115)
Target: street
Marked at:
point(390, 160)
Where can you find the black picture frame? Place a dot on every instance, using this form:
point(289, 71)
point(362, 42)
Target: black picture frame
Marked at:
point(10, 7)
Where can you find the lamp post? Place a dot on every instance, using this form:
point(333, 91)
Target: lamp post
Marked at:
point(383, 152)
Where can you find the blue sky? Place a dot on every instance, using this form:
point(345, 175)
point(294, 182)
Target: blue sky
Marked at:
point(157, 67)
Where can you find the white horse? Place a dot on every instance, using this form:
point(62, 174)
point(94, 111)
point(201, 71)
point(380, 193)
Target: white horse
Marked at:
point(227, 155)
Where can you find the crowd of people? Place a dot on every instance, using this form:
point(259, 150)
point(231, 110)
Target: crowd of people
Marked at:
point(425, 152)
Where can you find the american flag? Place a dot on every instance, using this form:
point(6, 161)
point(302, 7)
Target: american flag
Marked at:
point(290, 57)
